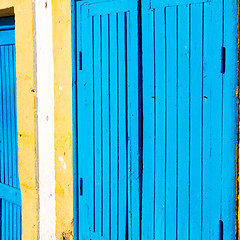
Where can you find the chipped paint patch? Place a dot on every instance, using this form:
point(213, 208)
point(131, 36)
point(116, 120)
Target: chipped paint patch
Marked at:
point(63, 163)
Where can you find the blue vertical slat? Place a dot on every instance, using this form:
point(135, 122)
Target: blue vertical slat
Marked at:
point(196, 101)
point(15, 222)
point(18, 225)
point(4, 94)
point(149, 101)
point(129, 166)
point(7, 226)
point(3, 219)
point(106, 125)
point(122, 127)
point(171, 122)
point(183, 116)
point(212, 138)
point(229, 119)
point(9, 112)
point(134, 129)
point(12, 131)
point(85, 109)
point(10, 221)
point(78, 124)
point(206, 208)
point(97, 122)
point(3, 233)
point(113, 122)
point(160, 150)
point(17, 184)
point(2, 170)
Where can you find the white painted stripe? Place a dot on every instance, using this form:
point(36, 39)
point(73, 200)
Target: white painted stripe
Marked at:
point(44, 79)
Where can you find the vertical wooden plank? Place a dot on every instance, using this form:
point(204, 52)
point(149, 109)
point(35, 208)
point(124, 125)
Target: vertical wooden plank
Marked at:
point(3, 233)
point(128, 58)
point(85, 118)
point(229, 119)
point(2, 170)
point(160, 150)
point(7, 222)
point(19, 223)
point(196, 101)
point(105, 124)
point(10, 221)
point(122, 128)
point(133, 128)
point(17, 184)
point(4, 86)
point(13, 115)
point(15, 222)
point(149, 100)
point(212, 119)
point(98, 122)
point(171, 122)
point(134, 108)
point(79, 125)
point(113, 122)
point(9, 114)
point(183, 118)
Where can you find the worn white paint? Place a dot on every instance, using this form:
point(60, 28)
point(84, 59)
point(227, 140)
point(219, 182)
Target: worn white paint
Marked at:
point(44, 78)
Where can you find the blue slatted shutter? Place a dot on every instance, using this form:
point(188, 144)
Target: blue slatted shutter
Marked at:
point(107, 110)
point(188, 184)
point(10, 194)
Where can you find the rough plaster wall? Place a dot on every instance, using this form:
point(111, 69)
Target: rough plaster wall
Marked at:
point(63, 117)
point(25, 110)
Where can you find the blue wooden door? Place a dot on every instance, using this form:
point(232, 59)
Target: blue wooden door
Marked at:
point(156, 119)
point(189, 119)
point(10, 194)
point(107, 120)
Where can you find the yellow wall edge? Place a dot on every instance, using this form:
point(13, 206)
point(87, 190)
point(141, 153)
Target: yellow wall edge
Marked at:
point(63, 117)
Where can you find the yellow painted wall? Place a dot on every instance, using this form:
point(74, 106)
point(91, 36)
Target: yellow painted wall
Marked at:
point(25, 110)
point(63, 116)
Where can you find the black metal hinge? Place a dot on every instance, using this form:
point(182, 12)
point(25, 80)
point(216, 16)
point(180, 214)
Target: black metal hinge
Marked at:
point(220, 230)
point(81, 187)
point(80, 60)
point(223, 59)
